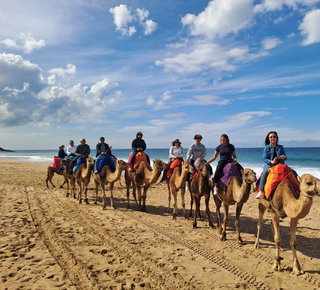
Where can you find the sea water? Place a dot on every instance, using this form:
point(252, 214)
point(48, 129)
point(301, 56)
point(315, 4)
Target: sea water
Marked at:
point(302, 159)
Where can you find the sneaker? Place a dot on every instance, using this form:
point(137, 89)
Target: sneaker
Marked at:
point(260, 195)
point(215, 191)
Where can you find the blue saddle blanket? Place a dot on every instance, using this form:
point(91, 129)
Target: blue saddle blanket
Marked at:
point(103, 160)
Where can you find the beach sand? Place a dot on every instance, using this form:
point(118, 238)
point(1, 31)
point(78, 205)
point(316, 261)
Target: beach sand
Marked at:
point(49, 241)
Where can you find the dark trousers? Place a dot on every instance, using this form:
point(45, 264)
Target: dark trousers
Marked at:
point(73, 163)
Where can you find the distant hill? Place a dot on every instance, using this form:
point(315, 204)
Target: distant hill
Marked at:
point(6, 150)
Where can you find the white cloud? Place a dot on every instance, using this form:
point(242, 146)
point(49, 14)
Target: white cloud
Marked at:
point(166, 96)
point(310, 27)
point(26, 42)
point(270, 43)
point(149, 27)
point(60, 72)
point(142, 14)
point(204, 56)
point(220, 18)
point(205, 100)
point(182, 43)
point(26, 98)
point(123, 16)
point(272, 5)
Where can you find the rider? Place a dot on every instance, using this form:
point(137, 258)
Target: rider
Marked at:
point(82, 150)
point(102, 149)
point(71, 149)
point(273, 154)
point(138, 145)
point(226, 150)
point(61, 154)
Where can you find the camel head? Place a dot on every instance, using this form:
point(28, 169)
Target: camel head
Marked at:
point(187, 167)
point(309, 185)
point(159, 164)
point(122, 164)
point(204, 171)
point(90, 161)
point(249, 176)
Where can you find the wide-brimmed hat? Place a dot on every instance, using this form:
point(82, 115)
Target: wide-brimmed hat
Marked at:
point(176, 141)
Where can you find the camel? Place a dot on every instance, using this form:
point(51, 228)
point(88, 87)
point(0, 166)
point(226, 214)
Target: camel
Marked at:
point(235, 193)
point(67, 162)
point(176, 182)
point(284, 203)
point(50, 173)
point(199, 187)
point(143, 176)
point(82, 177)
point(107, 176)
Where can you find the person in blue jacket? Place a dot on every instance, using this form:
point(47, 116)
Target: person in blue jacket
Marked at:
point(273, 154)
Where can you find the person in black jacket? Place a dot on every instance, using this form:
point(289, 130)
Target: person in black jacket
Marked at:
point(82, 150)
point(61, 154)
point(103, 149)
point(138, 145)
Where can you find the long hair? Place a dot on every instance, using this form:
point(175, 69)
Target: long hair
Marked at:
point(226, 137)
point(267, 141)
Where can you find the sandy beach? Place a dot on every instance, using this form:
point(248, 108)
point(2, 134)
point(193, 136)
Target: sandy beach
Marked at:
point(50, 241)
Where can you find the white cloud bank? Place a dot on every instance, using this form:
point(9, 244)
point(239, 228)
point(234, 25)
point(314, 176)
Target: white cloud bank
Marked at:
point(220, 18)
point(270, 43)
point(310, 27)
point(123, 16)
point(27, 98)
point(25, 42)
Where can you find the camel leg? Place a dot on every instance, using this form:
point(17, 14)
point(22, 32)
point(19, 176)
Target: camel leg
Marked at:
point(80, 193)
point(196, 209)
point(97, 190)
point(138, 186)
point(237, 223)
point(85, 193)
point(50, 174)
point(67, 188)
point(191, 203)
point(183, 204)
point(225, 222)
point(296, 269)
point(262, 210)
point(128, 183)
point(277, 240)
point(174, 193)
point(65, 181)
point(207, 198)
point(218, 202)
point(111, 194)
point(145, 189)
point(169, 196)
point(73, 186)
point(104, 197)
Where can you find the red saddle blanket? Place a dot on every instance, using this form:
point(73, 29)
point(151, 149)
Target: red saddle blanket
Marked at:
point(56, 165)
point(140, 156)
point(174, 164)
point(275, 175)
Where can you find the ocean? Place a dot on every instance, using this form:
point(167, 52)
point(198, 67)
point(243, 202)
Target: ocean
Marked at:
point(302, 159)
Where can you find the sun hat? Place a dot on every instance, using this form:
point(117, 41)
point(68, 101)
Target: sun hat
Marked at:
point(176, 141)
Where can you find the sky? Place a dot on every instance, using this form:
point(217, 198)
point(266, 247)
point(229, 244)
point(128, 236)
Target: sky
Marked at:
point(171, 69)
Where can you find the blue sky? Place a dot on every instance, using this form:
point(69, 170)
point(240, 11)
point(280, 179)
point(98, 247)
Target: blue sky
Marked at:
point(171, 69)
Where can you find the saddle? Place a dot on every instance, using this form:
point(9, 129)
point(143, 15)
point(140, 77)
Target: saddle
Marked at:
point(229, 171)
point(275, 175)
point(174, 164)
point(105, 160)
point(140, 156)
point(56, 165)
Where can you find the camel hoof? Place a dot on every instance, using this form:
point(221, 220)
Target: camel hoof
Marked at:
point(174, 216)
point(104, 208)
point(241, 242)
point(86, 201)
point(211, 225)
point(223, 238)
point(194, 225)
point(256, 246)
point(80, 201)
point(186, 217)
point(297, 271)
point(61, 186)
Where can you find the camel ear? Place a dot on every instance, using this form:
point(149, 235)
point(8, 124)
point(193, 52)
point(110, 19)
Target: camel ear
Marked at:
point(242, 171)
point(299, 179)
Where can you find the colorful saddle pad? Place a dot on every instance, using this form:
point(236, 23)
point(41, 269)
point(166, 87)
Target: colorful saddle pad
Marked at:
point(174, 164)
point(140, 156)
point(278, 173)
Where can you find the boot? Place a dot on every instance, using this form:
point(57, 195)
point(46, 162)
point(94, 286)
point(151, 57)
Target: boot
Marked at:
point(164, 176)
